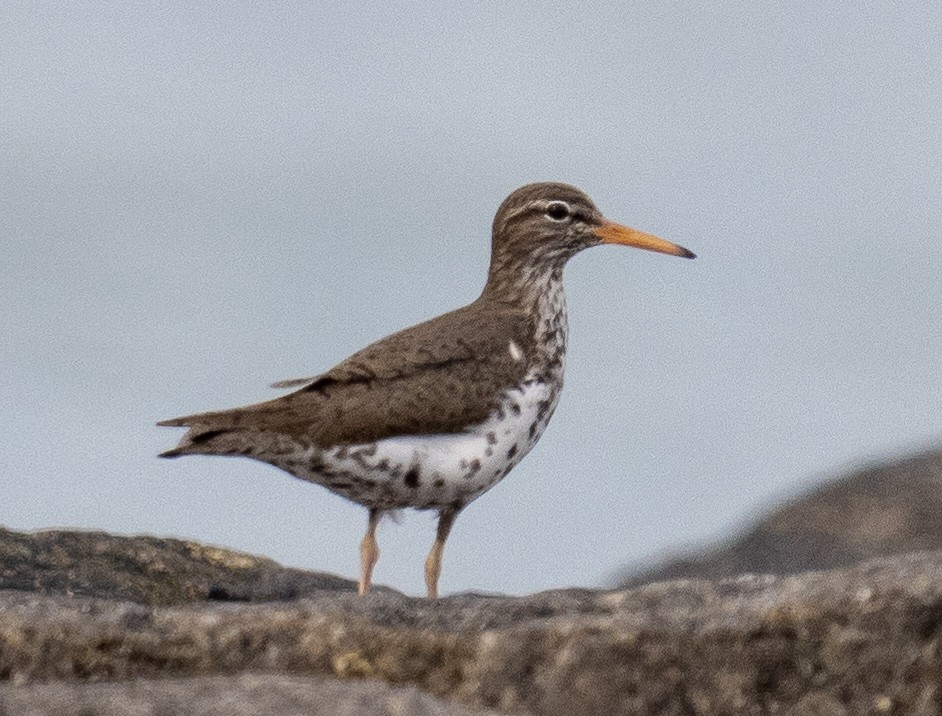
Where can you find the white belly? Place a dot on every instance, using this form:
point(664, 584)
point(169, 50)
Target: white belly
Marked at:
point(430, 471)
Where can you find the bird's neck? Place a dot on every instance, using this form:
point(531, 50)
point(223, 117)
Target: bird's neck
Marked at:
point(551, 329)
point(537, 291)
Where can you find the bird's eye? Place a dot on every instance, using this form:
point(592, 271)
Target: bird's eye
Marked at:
point(558, 211)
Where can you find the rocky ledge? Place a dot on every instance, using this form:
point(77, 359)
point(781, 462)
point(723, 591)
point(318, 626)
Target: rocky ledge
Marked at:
point(95, 624)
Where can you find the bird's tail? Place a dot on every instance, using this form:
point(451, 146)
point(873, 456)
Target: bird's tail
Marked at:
point(217, 433)
point(200, 441)
point(252, 430)
point(210, 441)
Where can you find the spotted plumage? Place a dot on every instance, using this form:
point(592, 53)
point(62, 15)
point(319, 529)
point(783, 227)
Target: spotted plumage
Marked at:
point(434, 415)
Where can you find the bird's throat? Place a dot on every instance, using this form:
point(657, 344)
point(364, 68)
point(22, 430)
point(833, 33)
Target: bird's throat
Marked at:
point(550, 327)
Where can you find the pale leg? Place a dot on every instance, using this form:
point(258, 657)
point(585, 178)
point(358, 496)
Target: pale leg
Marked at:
point(433, 564)
point(369, 552)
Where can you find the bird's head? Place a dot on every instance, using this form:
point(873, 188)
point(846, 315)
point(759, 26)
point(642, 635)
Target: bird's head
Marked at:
point(545, 224)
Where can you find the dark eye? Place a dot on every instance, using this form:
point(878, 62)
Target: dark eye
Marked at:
point(558, 211)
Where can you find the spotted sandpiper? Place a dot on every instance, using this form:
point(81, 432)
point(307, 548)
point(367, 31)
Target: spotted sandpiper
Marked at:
point(433, 416)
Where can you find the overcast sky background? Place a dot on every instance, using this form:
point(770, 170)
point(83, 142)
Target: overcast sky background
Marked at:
point(197, 199)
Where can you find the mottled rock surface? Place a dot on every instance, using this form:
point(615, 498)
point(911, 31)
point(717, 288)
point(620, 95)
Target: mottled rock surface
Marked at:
point(249, 694)
point(885, 509)
point(867, 639)
point(148, 570)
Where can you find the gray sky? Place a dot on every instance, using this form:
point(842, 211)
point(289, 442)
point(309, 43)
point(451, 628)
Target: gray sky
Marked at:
point(197, 200)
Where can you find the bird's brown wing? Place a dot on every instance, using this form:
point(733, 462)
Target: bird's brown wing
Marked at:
point(449, 338)
point(436, 377)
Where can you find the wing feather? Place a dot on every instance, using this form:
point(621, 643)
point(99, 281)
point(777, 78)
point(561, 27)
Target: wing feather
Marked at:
point(435, 377)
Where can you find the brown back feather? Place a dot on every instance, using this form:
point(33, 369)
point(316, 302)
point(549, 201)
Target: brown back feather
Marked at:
point(436, 377)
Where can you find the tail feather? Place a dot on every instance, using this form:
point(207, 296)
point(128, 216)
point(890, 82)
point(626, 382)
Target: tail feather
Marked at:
point(293, 382)
point(232, 418)
point(231, 432)
point(203, 440)
point(220, 417)
point(174, 423)
point(203, 427)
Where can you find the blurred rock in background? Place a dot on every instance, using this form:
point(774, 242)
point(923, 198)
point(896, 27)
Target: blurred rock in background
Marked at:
point(882, 510)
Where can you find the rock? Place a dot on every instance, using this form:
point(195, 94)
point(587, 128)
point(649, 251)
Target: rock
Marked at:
point(148, 570)
point(865, 639)
point(882, 510)
point(249, 694)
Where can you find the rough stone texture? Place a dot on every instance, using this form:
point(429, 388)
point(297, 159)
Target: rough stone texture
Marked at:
point(885, 509)
point(248, 694)
point(148, 570)
point(860, 640)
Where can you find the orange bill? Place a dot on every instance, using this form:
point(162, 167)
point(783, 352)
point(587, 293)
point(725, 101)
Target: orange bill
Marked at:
point(612, 233)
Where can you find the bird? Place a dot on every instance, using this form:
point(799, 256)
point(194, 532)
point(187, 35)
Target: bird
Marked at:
point(433, 416)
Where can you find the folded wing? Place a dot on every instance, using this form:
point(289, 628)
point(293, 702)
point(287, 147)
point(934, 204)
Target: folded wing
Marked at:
point(433, 378)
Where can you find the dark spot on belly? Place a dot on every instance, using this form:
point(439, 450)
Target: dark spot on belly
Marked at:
point(492, 438)
point(488, 452)
point(475, 465)
point(439, 482)
point(515, 408)
point(532, 430)
point(360, 456)
point(412, 477)
point(512, 451)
